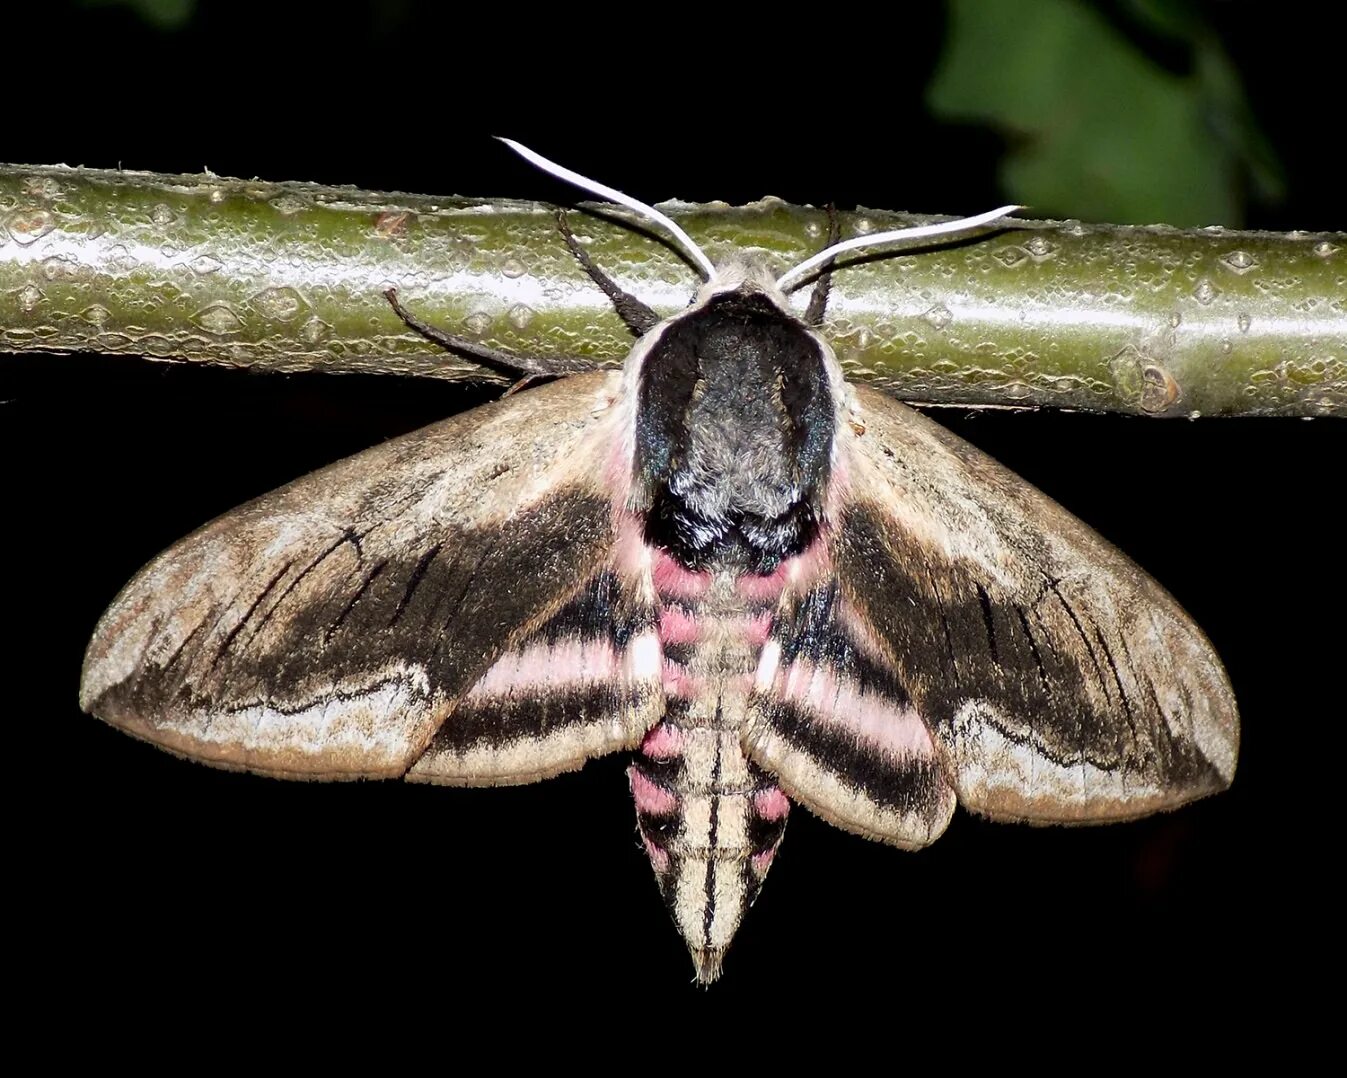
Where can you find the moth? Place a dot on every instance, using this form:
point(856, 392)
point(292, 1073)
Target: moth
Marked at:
point(771, 585)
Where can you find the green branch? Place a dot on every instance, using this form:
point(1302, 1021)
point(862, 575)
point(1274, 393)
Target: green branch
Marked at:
point(289, 277)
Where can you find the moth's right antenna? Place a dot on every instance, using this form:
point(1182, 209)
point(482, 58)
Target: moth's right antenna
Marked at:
point(604, 191)
point(793, 276)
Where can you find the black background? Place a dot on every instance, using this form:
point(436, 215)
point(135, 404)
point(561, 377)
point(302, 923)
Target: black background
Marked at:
point(214, 901)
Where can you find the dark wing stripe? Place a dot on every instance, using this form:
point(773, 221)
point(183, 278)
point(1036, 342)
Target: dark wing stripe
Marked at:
point(413, 582)
point(496, 721)
point(600, 610)
point(984, 600)
point(1055, 587)
point(814, 632)
point(179, 651)
point(228, 642)
point(911, 785)
point(359, 594)
point(348, 537)
point(1033, 649)
point(1123, 698)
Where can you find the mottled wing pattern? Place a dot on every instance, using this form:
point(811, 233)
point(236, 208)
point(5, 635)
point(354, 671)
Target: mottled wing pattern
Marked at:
point(328, 629)
point(1057, 682)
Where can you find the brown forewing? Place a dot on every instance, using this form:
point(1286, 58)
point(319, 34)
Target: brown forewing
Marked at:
point(327, 629)
point(1059, 681)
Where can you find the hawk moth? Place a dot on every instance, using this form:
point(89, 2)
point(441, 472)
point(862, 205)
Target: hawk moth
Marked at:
point(772, 585)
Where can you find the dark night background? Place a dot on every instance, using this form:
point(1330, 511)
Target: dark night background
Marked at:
point(156, 883)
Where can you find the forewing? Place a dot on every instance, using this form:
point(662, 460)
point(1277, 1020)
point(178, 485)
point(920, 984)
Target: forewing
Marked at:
point(326, 630)
point(1059, 682)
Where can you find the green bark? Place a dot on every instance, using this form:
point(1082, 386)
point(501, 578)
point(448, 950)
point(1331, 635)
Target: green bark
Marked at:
point(289, 276)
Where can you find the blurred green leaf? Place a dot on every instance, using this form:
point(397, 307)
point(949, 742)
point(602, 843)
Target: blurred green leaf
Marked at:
point(165, 14)
point(1097, 129)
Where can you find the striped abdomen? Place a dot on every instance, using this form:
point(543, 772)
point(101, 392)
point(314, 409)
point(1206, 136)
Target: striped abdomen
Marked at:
point(710, 820)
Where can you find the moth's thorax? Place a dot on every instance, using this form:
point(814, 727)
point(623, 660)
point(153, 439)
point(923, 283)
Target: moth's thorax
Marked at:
point(734, 430)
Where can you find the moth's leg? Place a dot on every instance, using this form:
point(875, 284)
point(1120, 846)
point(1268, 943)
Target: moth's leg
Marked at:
point(640, 319)
point(515, 367)
point(529, 381)
point(818, 299)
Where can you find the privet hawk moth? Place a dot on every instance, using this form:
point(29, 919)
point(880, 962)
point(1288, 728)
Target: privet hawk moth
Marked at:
point(772, 585)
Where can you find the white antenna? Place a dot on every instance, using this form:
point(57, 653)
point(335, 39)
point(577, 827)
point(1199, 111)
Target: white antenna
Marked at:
point(796, 274)
point(604, 191)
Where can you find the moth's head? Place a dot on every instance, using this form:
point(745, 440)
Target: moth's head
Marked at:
point(749, 273)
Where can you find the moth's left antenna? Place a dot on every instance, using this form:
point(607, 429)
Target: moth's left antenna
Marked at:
point(604, 191)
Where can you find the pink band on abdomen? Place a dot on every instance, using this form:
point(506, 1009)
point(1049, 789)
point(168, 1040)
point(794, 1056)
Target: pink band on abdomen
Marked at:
point(771, 803)
point(664, 742)
point(650, 797)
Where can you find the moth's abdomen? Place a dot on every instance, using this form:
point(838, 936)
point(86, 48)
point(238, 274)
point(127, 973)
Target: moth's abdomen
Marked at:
point(711, 822)
point(709, 818)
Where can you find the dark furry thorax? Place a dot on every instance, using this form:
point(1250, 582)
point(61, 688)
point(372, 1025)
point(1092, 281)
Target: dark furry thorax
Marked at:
point(734, 430)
